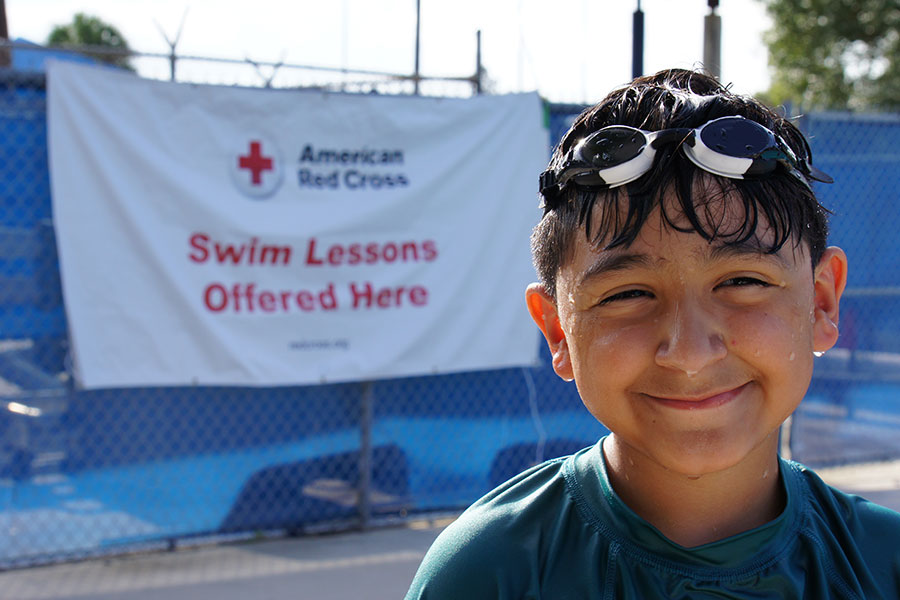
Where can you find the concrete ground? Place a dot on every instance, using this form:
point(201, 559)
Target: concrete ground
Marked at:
point(376, 565)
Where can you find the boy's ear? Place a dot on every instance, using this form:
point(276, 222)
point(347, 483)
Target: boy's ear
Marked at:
point(830, 278)
point(543, 310)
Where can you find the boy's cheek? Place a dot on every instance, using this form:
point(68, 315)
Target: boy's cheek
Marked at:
point(770, 336)
point(603, 354)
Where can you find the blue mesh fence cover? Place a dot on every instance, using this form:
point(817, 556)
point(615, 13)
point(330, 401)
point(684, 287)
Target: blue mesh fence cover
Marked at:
point(84, 473)
point(852, 411)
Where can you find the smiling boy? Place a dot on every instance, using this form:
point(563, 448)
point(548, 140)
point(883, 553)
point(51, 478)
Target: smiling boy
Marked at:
point(685, 285)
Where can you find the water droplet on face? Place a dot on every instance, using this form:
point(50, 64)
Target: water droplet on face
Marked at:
point(691, 373)
point(766, 474)
point(792, 356)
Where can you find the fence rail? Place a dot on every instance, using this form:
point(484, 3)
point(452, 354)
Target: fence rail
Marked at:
point(250, 72)
point(87, 473)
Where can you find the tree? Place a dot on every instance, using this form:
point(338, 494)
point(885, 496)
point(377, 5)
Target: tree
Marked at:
point(835, 54)
point(85, 30)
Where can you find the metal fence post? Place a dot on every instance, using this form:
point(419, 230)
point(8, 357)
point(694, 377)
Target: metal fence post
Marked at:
point(364, 493)
point(478, 73)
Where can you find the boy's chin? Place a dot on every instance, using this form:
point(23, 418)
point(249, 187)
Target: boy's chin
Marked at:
point(699, 454)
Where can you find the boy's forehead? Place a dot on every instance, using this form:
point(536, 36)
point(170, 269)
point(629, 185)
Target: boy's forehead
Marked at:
point(593, 260)
point(717, 210)
point(690, 251)
point(723, 214)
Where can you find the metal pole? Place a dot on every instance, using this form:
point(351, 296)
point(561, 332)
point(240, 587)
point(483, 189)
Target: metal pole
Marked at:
point(637, 42)
point(364, 498)
point(418, 22)
point(345, 11)
point(5, 58)
point(712, 41)
point(478, 62)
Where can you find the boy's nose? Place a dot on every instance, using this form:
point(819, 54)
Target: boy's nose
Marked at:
point(691, 341)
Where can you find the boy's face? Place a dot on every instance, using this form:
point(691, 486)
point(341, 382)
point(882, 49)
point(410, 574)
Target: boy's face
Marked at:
point(691, 353)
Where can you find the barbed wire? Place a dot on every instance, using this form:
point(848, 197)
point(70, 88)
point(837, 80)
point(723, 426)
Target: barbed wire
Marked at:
point(317, 76)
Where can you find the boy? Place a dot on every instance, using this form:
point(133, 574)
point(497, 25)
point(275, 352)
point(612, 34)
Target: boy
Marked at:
point(685, 286)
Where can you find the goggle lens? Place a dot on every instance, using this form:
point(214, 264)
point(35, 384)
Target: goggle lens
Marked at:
point(612, 146)
point(738, 137)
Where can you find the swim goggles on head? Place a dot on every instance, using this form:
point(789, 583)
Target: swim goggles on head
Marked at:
point(733, 147)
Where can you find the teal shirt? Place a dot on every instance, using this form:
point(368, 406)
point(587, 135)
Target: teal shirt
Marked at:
point(559, 531)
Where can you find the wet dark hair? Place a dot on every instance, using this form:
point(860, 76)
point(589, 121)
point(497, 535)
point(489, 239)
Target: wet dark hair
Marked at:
point(781, 201)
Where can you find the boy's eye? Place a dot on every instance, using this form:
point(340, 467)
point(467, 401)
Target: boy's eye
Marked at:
point(626, 295)
point(744, 281)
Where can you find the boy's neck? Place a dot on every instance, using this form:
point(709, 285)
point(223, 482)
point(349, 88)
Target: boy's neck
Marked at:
point(696, 511)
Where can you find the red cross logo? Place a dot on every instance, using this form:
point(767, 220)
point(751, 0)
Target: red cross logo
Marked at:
point(256, 162)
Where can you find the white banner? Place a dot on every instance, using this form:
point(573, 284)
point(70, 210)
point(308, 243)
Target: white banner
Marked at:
point(224, 236)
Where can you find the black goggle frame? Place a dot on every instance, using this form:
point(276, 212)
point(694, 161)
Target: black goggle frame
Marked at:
point(733, 147)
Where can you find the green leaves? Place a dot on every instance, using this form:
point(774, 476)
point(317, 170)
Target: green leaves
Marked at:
point(835, 54)
point(85, 30)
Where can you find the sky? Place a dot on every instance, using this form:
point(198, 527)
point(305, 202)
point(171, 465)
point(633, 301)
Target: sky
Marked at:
point(567, 50)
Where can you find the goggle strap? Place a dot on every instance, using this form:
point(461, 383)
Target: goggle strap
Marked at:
point(547, 181)
point(681, 135)
point(817, 174)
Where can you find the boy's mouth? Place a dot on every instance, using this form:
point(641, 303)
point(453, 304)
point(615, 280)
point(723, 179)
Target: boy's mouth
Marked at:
point(697, 402)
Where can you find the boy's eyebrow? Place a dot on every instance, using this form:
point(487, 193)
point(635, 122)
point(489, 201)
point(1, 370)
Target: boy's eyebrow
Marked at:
point(608, 262)
point(751, 248)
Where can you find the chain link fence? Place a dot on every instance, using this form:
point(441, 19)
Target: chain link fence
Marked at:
point(89, 473)
point(852, 411)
